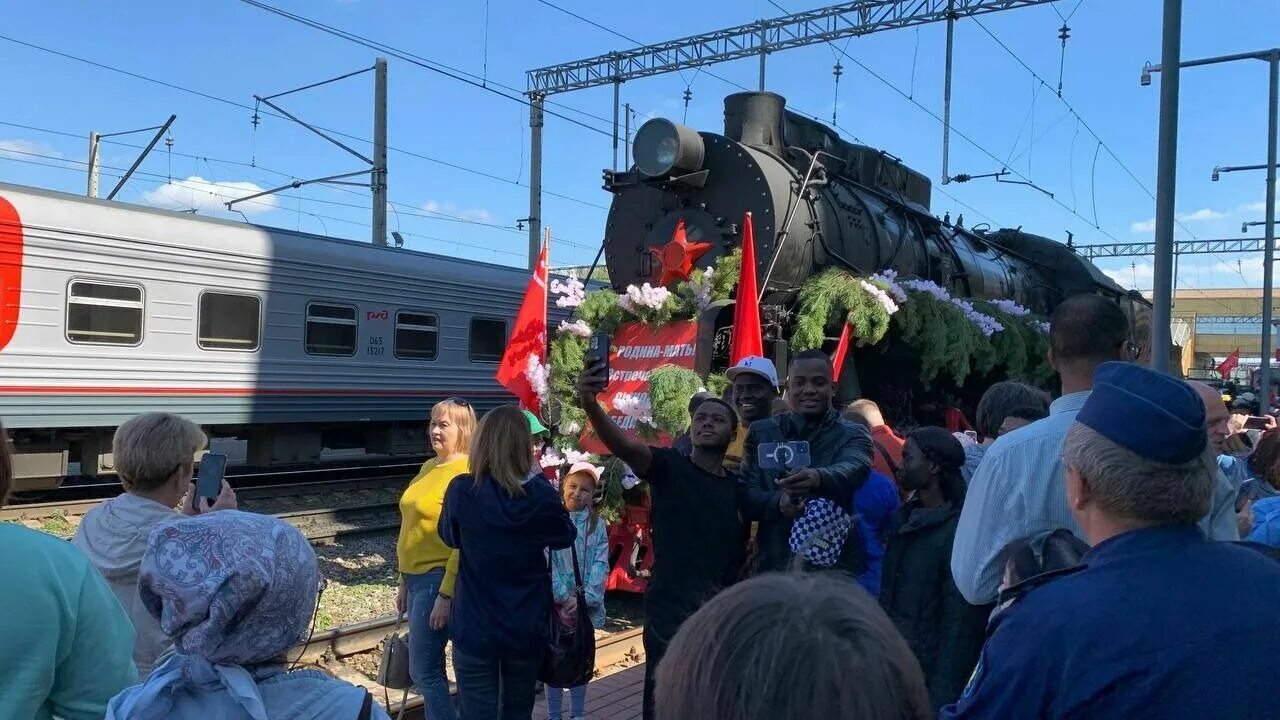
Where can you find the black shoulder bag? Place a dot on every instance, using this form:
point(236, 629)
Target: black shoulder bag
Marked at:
point(571, 652)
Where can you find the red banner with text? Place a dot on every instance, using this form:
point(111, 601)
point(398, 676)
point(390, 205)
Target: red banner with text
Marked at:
point(636, 351)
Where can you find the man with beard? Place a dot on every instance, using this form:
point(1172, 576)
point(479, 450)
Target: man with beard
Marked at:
point(822, 495)
point(698, 532)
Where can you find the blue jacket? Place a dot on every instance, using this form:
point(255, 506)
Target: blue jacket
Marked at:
point(1158, 623)
point(841, 452)
point(874, 505)
point(502, 602)
point(1266, 522)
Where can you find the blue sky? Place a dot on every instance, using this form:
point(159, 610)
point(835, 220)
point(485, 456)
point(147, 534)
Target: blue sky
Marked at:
point(230, 50)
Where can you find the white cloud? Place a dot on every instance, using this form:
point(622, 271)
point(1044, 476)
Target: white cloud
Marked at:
point(1259, 207)
point(1143, 274)
point(449, 209)
point(1201, 215)
point(209, 195)
point(20, 149)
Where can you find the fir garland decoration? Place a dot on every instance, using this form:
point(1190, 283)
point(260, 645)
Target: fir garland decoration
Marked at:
point(670, 388)
point(861, 303)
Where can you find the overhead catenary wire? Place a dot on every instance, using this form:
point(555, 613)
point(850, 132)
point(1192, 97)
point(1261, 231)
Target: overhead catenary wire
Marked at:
point(244, 106)
point(1102, 144)
point(412, 59)
point(406, 209)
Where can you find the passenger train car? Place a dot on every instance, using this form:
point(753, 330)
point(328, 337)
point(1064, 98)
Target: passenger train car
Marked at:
point(291, 341)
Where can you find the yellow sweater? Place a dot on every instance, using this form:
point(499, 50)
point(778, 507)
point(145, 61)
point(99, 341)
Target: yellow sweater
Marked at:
point(419, 548)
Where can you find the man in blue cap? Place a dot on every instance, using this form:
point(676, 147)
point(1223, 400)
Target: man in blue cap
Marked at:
point(1158, 621)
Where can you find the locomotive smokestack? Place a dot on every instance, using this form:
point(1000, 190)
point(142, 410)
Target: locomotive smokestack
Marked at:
point(755, 119)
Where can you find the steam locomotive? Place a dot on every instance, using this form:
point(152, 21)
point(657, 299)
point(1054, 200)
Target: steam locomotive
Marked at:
point(819, 201)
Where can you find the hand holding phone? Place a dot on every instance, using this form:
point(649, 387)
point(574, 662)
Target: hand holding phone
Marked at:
point(209, 480)
point(1259, 422)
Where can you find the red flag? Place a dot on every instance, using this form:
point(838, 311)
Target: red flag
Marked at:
point(842, 349)
point(528, 337)
point(746, 310)
point(1226, 366)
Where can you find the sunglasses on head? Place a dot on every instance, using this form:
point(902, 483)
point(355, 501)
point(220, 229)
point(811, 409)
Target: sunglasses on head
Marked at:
point(457, 401)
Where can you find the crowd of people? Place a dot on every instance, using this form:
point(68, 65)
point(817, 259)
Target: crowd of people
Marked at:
point(1110, 552)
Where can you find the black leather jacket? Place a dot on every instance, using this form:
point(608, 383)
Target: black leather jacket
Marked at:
point(841, 452)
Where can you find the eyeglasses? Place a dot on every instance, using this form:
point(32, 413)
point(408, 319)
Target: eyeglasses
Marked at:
point(457, 401)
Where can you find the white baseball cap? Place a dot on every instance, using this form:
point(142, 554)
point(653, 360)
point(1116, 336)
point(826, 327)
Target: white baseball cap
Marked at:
point(755, 365)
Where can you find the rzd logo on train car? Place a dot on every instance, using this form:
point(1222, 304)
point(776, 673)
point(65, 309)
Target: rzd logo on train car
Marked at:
point(377, 315)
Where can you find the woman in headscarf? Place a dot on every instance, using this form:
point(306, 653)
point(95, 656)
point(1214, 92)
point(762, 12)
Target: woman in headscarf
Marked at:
point(234, 591)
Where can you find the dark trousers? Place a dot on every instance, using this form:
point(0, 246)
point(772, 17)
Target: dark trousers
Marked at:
point(495, 689)
point(658, 633)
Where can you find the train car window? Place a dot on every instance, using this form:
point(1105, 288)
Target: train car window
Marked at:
point(417, 336)
point(488, 339)
point(331, 329)
point(104, 313)
point(229, 322)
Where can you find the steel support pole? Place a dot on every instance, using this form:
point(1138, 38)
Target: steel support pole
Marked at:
point(616, 88)
point(626, 137)
point(1264, 367)
point(92, 190)
point(378, 176)
point(535, 178)
point(763, 42)
point(1166, 176)
point(946, 97)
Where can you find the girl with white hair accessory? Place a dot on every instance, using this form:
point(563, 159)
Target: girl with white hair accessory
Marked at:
point(579, 489)
point(235, 591)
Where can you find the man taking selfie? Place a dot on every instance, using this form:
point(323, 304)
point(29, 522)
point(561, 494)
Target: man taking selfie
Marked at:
point(698, 534)
point(804, 504)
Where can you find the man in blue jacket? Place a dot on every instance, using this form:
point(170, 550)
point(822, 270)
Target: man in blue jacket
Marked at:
point(840, 454)
point(1158, 621)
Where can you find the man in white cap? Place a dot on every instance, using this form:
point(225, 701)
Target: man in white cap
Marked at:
point(754, 386)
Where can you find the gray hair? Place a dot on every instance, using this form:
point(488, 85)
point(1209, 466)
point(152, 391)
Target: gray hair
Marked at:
point(1003, 398)
point(1127, 485)
point(149, 448)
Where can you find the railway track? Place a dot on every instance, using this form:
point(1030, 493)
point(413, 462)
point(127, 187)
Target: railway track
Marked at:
point(246, 494)
point(356, 638)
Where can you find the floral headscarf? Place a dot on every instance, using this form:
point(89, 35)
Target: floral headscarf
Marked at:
point(231, 589)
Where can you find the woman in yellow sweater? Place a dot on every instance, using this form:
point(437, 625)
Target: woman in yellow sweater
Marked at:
point(428, 567)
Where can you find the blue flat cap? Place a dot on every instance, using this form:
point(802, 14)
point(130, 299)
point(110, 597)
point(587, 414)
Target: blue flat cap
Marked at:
point(1155, 415)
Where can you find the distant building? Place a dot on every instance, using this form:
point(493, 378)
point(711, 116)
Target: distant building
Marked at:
point(1211, 324)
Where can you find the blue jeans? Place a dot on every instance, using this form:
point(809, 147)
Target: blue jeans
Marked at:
point(426, 646)
point(495, 689)
point(577, 702)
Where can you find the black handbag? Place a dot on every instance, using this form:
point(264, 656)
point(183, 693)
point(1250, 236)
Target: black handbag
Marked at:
point(570, 658)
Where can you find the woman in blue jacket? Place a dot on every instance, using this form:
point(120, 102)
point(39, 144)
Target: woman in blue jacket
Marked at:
point(502, 517)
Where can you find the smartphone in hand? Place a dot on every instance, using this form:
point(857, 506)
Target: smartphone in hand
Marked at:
point(598, 351)
point(213, 469)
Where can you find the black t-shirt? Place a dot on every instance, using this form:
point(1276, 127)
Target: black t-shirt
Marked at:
point(699, 537)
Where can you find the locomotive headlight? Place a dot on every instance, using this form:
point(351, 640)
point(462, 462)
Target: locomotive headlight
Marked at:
point(662, 146)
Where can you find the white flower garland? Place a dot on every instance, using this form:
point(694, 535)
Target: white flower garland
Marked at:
point(537, 374)
point(646, 296)
point(572, 291)
point(880, 296)
point(578, 327)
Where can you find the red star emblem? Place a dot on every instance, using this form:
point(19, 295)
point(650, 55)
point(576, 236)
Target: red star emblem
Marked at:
point(674, 261)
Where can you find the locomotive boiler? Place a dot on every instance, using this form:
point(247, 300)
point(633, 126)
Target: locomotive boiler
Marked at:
point(819, 201)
